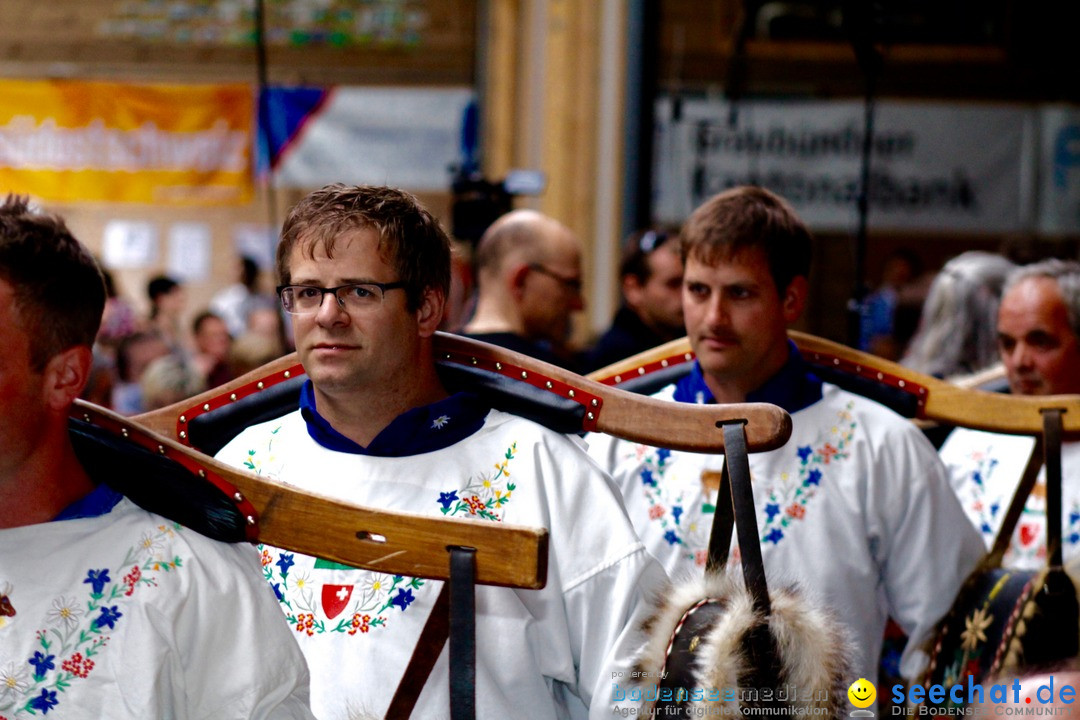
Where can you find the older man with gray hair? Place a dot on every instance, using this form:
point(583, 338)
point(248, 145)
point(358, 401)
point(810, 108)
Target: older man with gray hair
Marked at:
point(1038, 328)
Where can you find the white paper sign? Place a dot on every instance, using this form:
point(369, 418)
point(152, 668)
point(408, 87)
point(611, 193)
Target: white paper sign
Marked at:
point(189, 251)
point(130, 244)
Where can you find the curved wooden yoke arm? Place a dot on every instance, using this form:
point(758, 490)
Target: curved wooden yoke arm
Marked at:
point(935, 399)
point(306, 522)
point(604, 408)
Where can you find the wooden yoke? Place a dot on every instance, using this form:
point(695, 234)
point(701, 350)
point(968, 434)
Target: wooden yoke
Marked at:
point(388, 542)
point(501, 375)
point(913, 394)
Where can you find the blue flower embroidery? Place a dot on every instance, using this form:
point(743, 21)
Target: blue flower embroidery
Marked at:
point(775, 536)
point(97, 580)
point(662, 455)
point(772, 509)
point(278, 592)
point(403, 599)
point(285, 561)
point(446, 499)
point(805, 452)
point(986, 529)
point(1074, 538)
point(1074, 517)
point(813, 477)
point(109, 616)
point(672, 538)
point(44, 702)
point(647, 478)
point(676, 512)
point(42, 664)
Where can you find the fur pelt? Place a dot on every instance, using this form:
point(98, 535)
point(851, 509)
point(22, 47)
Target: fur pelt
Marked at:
point(814, 650)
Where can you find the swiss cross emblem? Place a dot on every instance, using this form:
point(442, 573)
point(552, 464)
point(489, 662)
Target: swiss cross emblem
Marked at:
point(335, 598)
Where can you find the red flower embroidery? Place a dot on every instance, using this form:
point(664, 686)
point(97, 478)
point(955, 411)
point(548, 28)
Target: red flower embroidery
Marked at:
point(700, 556)
point(656, 511)
point(475, 504)
point(796, 511)
point(266, 559)
point(132, 579)
point(360, 622)
point(77, 665)
point(305, 622)
point(827, 452)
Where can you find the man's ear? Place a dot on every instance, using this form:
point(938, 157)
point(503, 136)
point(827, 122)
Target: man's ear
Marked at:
point(430, 313)
point(633, 291)
point(515, 280)
point(794, 300)
point(66, 374)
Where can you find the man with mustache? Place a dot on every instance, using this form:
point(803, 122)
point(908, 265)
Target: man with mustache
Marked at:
point(1038, 328)
point(856, 507)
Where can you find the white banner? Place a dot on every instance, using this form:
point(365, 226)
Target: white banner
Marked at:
point(405, 137)
point(934, 166)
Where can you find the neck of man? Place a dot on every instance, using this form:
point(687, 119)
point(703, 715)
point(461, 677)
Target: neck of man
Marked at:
point(494, 315)
point(735, 388)
point(44, 483)
point(360, 414)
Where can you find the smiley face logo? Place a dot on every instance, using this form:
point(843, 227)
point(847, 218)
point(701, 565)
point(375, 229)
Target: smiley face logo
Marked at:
point(862, 693)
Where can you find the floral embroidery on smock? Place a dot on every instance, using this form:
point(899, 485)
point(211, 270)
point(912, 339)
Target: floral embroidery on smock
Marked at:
point(77, 627)
point(786, 497)
point(484, 495)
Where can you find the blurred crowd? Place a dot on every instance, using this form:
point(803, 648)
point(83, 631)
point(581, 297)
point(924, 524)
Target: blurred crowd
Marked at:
point(143, 363)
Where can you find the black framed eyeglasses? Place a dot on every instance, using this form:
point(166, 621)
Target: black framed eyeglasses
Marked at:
point(305, 299)
point(570, 283)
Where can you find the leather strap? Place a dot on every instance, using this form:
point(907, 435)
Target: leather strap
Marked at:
point(1052, 428)
point(453, 616)
point(425, 654)
point(1048, 449)
point(462, 633)
point(735, 505)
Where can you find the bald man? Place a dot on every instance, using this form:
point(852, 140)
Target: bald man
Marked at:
point(1038, 329)
point(528, 273)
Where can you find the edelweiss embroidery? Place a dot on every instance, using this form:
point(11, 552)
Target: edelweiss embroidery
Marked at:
point(786, 497)
point(77, 629)
point(484, 495)
point(789, 494)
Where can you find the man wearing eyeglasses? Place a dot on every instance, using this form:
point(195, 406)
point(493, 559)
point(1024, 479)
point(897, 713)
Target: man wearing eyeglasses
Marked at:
point(528, 269)
point(365, 273)
point(652, 271)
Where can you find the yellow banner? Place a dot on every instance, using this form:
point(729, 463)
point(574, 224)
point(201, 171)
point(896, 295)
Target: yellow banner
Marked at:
point(70, 141)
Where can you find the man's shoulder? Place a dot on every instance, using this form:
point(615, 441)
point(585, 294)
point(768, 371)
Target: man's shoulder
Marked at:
point(879, 424)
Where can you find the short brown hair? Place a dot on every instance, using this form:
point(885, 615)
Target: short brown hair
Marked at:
point(59, 290)
point(413, 241)
point(749, 217)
